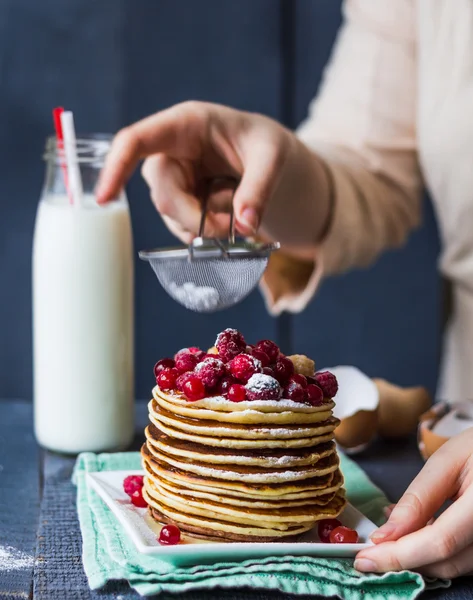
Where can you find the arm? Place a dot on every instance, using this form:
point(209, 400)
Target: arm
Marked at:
point(362, 127)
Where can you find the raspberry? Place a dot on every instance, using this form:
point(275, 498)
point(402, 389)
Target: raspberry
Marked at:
point(325, 528)
point(270, 349)
point(237, 393)
point(193, 388)
point(180, 381)
point(210, 371)
point(263, 387)
point(294, 391)
point(300, 379)
point(132, 483)
point(328, 382)
point(343, 535)
point(243, 366)
point(167, 379)
point(314, 395)
point(224, 385)
point(283, 370)
point(229, 344)
point(164, 363)
point(170, 535)
point(186, 362)
point(200, 354)
point(138, 500)
point(261, 356)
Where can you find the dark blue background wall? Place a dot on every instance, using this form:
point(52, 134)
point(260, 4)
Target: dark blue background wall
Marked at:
point(115, 61)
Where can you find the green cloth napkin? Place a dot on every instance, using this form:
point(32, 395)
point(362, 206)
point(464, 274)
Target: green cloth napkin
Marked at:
point(109, 554)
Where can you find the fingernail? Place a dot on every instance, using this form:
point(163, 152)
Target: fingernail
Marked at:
point(365, 565)
point(387, 510)
point(249, 218)
point(383, 532)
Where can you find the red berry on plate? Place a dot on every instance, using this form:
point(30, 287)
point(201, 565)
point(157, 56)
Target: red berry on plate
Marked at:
point(243, 366)
point(261, 356)
point(210, 371)
point(263, 387)
point(224, 385)
point(325, 528)
point(283, 370)
point(300, 379)
point(193, 388)
point(164, 363)
point(314, 395)
point(186, 362)
point(138, 500)
point(270, 349)
point(295, 392)
point(167, 379)
point(237, 393)
point(343, 535)
point(170, 535)
point(327, 382)
point(132, 483)
point(229, 344)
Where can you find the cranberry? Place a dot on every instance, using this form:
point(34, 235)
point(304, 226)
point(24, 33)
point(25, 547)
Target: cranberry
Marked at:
point(261, 356)
point(224, 385)
point(138, 500)
point(200, 354)
point(164, 363)
point(180, 381)
point(263, 387)
point(132, 483)
point(327, 382)
point(268, 371)
point(229, 344)
point(294, 391)
point(210, 371)
point(194, 389)
point(243, 366)
point(314, 395)
point(170, 535)
point(237, 393)
point(325, 528)
point(186, 362)
point(283, 370)
point(270, 349)
point(167, 379)
point(343, 535)
point(300, 379)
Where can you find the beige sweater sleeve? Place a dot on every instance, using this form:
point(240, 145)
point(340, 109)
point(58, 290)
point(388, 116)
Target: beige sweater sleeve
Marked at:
point(362, 125)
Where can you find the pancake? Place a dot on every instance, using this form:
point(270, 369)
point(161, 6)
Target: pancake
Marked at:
point(188, 479)
point(220, 404)
point(243, 417)
point(325, 434)
point(200, 453)
point(248, 474)
point(240, 501)
point(240, 431)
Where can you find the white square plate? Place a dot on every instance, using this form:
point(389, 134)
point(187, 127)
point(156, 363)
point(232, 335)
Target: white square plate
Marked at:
point(144, 532)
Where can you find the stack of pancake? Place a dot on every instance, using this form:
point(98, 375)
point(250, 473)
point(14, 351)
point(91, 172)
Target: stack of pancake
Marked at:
point(238, 472)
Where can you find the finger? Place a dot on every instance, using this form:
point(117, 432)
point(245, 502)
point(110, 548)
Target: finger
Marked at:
point(176, 131)
point(451, 533)
point(437, 482)
point(186, 237)
point(461, 564)
point(263, 164)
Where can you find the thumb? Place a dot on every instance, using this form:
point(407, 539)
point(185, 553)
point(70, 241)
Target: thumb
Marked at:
point(262, 170)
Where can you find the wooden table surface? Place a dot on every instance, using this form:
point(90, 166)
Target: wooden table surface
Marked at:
point(40, 542)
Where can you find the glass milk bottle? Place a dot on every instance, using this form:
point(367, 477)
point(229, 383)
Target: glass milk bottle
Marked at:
point(82, 311)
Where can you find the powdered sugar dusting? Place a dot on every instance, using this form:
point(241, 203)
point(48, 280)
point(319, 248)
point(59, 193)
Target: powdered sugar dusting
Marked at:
point(260, 382)
point(12, 559)
point(224, 333)
point(193, 296)
point(214, 362)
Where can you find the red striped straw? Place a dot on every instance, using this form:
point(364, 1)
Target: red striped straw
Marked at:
point(57, 112)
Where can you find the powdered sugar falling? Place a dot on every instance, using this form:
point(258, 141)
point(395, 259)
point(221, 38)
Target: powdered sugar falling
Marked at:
point(12, 559)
